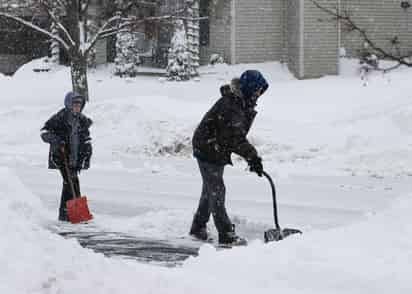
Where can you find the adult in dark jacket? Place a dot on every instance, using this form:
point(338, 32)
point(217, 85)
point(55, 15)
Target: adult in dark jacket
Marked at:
point(223, 131)
point(68, 134)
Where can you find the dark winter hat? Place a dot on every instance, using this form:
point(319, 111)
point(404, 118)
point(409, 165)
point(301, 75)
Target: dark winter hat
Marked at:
point(73, 97)
point(251, 81)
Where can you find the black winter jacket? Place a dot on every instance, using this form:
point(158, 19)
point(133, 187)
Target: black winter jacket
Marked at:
point(57, 130)
point(223, 130)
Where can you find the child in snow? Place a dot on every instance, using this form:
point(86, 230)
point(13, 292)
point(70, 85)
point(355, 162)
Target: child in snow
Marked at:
point(67, 132)
point(223, 130)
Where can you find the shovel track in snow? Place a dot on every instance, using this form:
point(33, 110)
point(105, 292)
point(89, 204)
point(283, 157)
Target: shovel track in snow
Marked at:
point(119, 245)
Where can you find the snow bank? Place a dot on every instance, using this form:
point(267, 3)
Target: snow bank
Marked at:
point(146, 124)
point(332, 124)
point(370, 257)
point(34, 260)
point(16, 199)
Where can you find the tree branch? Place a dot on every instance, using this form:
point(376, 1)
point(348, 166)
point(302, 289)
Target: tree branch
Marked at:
point(101, 31)
point(37, 28)
point(135, 3)
point(49, 10)
point(346, 18)
point(61, 3)
point(117, 23)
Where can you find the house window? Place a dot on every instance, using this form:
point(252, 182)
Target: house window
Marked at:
point(204, 24)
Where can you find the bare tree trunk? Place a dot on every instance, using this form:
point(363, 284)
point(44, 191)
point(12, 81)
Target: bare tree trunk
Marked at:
point(54, 44)
point(79, 75)
point(78, 62)
point(72, 34)
point(193, 37)
point(54, 47)
point(345, 17)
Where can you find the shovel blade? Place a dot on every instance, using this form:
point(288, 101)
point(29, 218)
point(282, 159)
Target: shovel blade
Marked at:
point(78, 210)
point(279, 234)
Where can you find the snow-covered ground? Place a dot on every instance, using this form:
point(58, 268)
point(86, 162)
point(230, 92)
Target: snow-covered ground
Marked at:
point(340, 151)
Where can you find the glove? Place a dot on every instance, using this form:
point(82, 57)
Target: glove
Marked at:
point(86, 153)
point(86, 164)
point(255, 165)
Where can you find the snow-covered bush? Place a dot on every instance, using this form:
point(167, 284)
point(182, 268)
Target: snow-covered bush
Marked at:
point(368, 62)
point(193, 36)
point(178, 59)
point(216, 59)
point(127, 58)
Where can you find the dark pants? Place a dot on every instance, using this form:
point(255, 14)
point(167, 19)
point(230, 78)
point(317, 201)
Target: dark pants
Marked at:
point(212, 200)
point(67, 193)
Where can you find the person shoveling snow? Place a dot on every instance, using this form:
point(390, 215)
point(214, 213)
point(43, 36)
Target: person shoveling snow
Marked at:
point(68, 134)
point(221, 132)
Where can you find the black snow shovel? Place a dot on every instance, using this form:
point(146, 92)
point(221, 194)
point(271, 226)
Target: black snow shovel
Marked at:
point(277, 233)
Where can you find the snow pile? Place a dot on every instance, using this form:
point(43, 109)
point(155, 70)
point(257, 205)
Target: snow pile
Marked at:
point(333, 124)
point(330, 125)
point(16, 200)
point(371, 257)
point(127, 53)
point(34, 260)
point(146, 125)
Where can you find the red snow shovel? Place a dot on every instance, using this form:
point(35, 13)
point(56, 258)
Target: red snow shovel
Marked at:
point(77, 208)
point(277, 233)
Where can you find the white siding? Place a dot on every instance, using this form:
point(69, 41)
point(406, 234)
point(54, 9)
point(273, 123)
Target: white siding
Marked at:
point(382, 20)
point(321, 39)
point(293, 31)
point(259, 30)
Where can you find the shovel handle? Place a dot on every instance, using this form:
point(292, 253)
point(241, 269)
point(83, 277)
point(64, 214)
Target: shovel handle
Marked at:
point(66, 167)
point(275, 207)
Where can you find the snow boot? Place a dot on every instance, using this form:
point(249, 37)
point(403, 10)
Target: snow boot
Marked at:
point(199, 232)
point(63, 217)
point(231, 239)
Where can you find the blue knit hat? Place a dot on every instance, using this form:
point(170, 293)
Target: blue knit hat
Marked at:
point(251, 81)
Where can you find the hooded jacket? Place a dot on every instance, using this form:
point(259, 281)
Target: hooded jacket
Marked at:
point(72, 130)
point(224, 128)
